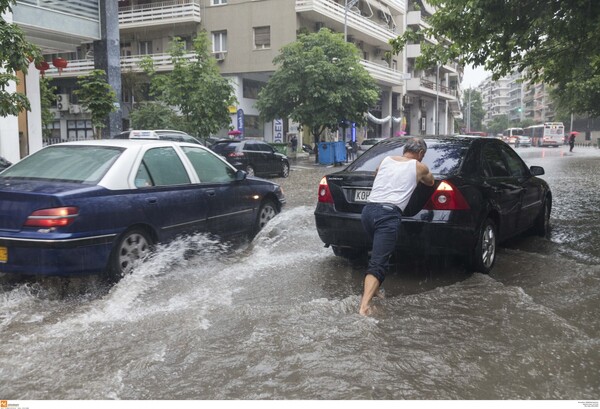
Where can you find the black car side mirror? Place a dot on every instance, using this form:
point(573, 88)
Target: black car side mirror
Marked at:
point(240, 175)
point(536, 170)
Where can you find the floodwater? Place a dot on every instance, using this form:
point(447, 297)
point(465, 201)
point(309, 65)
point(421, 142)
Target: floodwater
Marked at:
point(277, 318)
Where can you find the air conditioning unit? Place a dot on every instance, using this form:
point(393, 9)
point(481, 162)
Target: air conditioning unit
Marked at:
point(62, 102)
point(408, 100)
point(219, 56)
point(75, 109)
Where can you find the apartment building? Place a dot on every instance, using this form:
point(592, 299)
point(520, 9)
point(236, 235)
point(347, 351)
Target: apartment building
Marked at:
point(432, 99)
point(246, 36)
point(55, 27)
point(516, 98)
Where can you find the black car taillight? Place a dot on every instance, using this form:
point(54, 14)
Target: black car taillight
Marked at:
point(235, 155)
point(446, 197)
point(324, 193)
point(55, 217)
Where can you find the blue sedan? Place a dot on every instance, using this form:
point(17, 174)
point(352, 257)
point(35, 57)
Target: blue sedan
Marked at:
point(98, 206)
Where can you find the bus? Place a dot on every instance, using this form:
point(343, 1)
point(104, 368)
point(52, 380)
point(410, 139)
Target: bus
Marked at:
point(546, 134)
point(510, 135)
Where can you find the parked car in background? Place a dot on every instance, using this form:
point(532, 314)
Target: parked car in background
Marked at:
point(98, 206)
point(4, 163)
point(484, 194)
point(523, 142)
point(163, 134)
point(253, 156)
point(367, 143)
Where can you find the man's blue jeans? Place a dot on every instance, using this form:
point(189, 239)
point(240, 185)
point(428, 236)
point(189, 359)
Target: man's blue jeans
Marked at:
point(382, 223)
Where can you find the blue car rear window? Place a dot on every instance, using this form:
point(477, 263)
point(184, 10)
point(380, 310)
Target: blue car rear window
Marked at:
point(443, 157)
point(80, 164)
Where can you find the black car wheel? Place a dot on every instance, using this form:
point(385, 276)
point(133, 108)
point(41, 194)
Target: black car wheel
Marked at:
point(267, 211)
point(133, 245)
point(249, 170)
point(285, 169)
point(349, 253)
point(542, 222)
point(484, 254)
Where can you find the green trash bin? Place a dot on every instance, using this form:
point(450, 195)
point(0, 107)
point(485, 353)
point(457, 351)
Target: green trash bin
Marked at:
point(280, 147)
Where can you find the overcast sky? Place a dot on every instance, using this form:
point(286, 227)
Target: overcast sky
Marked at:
point(473, 77)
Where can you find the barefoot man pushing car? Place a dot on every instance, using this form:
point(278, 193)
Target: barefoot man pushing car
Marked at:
point(396, 179)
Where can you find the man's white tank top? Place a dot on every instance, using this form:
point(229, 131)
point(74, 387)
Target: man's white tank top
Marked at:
point(395, 182)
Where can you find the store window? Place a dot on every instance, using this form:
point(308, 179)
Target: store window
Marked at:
point(80, 130)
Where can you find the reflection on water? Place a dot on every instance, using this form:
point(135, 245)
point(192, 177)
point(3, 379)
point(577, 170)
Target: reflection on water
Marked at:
point(277, 319)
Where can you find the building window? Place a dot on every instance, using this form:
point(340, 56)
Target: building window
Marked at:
point(252, 88)
point(145, 47)
point(80, 130)
point(262, 37)
point(219, 40)
point(253, 127)
point(218, 2)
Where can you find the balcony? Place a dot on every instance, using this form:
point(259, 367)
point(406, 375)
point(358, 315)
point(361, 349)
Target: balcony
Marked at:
point(162, 62)
point(383, 74)
point(361, 27)
point(58, 26)
point(425, 87)
point(159, 13)
point(416, 19)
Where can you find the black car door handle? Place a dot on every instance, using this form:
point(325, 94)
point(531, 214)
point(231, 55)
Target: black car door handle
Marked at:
point(211, 193)
point(152, 200)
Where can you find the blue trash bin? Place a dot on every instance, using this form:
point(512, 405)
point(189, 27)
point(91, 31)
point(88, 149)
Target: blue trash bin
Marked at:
point(340, 154)
point(326, 153)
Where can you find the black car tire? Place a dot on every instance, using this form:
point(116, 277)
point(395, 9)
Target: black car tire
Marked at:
point(285, 169)
point(133, 245)
point(268, 210)
point(541, 226)
point(483, 257)
point(249, 170)
point(349, 253)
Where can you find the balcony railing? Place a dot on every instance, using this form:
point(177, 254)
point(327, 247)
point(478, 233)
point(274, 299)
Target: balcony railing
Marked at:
point(430, 88)
point(330, 10)
point(162, 62)
point(162, 12)
point(383, 73)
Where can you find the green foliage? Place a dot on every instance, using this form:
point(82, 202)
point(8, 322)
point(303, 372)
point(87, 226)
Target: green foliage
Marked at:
point(97, 96)
point(47, 100)
point(154, 115)
point(554, 42)
point(498, 124)
point(319, 83)
point(477, 112)
point(15, 52)
point(195, 87)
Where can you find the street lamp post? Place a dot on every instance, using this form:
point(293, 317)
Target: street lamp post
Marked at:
point(348, 4)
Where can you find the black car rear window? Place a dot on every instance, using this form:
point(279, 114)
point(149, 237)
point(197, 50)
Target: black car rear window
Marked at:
point(443, 157)
point(223, 148)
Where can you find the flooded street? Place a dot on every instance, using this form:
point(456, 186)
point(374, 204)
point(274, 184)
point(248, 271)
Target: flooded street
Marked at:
point(277, 318)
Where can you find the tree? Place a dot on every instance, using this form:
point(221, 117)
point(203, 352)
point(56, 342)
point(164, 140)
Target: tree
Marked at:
point(15, 55)
point(154, 115)
point(554, 42)
point(473, 99)
point(47, 100)
point(498, 124)
point(319, 83)
point(97, 96)
point(195, 87)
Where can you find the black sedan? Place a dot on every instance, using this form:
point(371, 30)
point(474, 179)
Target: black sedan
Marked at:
point(484, 194)
point(253, 156)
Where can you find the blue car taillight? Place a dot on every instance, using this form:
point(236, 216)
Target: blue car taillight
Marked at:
point(54, 217)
